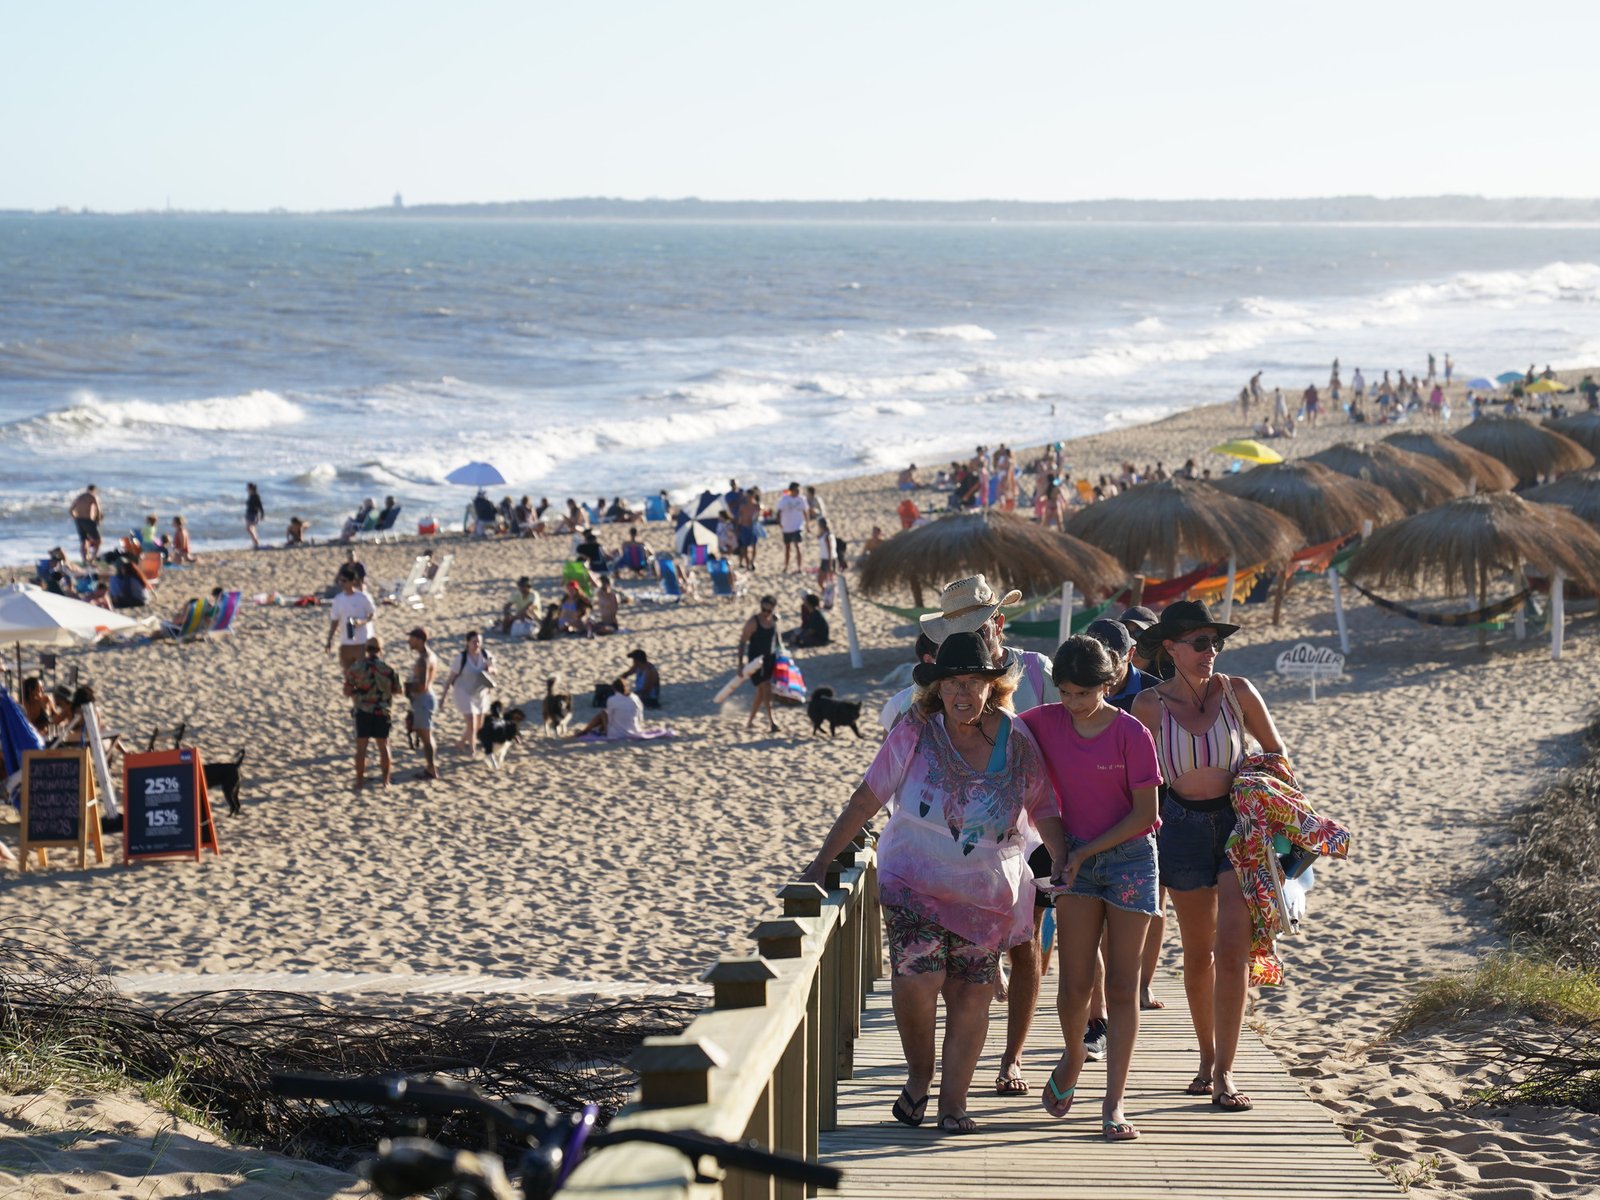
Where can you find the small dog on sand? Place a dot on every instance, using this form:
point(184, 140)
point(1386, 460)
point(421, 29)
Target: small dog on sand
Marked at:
point(823, 709)
point(557, 710)
point(224, 777)
point(501, 727)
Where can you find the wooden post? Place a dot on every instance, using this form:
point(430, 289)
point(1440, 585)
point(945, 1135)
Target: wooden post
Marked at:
point(1558, 613)
point(1064, 628)
point(782, 938)
point(849, 622)
point(1338, 611)
point(1519, 622)
point(1483, 602)
point(802, 899)
point(675, 1072)
point(1227, 591)
point(739, 982)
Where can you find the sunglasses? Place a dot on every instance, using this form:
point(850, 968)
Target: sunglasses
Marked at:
point(1204, 644)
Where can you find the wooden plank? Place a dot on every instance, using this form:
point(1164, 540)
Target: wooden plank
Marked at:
point(1287, 1146)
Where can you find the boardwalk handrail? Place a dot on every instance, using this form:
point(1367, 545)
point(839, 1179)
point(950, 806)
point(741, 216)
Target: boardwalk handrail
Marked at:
point(765, 1060)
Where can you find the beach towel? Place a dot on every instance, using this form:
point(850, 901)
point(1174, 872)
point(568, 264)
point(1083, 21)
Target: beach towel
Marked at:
point(17, 734)
point(599, 739)
point(787, 681)
point(1268, 804)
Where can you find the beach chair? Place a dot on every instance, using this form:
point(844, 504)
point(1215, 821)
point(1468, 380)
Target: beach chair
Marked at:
point(189, 624)
point(378, 530)
point(722, 582)
point(655, 508)
point(577, 571)
point(633, 557)
point(222, 618)
point(406, 590)
point(671, 589)
point(150, 564)
point(432, 589)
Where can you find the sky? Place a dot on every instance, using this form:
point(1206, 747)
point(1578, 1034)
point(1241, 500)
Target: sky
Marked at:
point(249, 106)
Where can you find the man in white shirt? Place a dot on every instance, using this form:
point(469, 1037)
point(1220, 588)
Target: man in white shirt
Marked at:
point(794, 519)
point(353, 620)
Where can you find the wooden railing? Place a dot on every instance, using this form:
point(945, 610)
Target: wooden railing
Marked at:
point(765, 1060)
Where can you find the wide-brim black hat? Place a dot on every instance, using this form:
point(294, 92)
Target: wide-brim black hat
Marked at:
point(1179, 617)
point(959, 654)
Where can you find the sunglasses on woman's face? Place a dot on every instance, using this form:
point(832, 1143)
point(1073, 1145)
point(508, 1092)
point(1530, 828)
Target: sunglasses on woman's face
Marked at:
point(1204, 644)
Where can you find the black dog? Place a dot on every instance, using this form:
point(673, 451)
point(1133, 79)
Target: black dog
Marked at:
point(824, 709)
point(224, 777)
point(557, 709)
point(501, 727)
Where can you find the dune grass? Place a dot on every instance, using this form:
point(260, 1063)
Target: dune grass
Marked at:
point(1510, 982)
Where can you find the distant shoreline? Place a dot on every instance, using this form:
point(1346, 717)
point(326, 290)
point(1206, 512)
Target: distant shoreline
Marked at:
point(1336, 210)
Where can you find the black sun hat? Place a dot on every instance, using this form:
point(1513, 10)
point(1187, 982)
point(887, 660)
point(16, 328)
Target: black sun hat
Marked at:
point(959, 654)
point(1178, 619)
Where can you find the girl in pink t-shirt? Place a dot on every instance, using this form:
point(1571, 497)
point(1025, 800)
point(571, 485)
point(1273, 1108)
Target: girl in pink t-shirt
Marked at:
point(1103, 765)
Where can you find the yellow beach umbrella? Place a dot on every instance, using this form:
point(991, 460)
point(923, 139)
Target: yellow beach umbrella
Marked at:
point(1249, 450)
point(1547, 385)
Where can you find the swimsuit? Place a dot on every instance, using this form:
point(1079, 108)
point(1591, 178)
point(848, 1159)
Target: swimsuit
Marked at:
point(1222, 746)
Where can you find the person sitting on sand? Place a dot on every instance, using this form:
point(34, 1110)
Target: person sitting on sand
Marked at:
point(592, 553)
point(181, 551)
point(574, 617)
point(101, 596)
point(549, 624)
point(907, 480)
point(521, 612)
point(622, 717)
point(606, 600)
point(40, 707)
point(646, 679)
point(619, 511)
point(875, 540)
point(813, 627)
point(295, 534)
point(522, 519)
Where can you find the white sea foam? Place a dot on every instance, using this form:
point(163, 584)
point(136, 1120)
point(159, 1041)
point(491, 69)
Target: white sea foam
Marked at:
point(251, 411)
point(945, 333)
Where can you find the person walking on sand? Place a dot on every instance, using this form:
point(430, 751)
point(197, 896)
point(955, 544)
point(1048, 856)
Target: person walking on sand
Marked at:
point(472, 687)
point(86, 515)
point(1200, 720)
point(424, 703)
point(372, 684)
point(353, 619)
point(967, 783)
point(254, 513)
point(1449, 369)
point(794, 520)
point(759, 640)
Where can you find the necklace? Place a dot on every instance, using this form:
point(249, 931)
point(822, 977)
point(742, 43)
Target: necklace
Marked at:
point(1200, 696)
point(978, 725)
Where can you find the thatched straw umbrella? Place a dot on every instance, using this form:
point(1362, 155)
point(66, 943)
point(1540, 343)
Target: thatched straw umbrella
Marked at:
point(1179, 518)
point(1462, 543)
point(1322, 502)
point(1418, 483)
point(1531, 451)
point(1583, 428)
point(1012, 552)
point(1578, 491)
point(1484, 471)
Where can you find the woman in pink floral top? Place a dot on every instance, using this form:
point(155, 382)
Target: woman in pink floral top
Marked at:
point(966, 780)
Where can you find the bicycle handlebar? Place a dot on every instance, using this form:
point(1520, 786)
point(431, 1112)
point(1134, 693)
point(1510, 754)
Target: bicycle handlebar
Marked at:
point(745, 1156)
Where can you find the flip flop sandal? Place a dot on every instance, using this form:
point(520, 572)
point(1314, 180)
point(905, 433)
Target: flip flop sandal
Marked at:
point(950, 1123)
point(1200, 1085)
point(1119, 1131)
point(1010, 1085)
point(1152, 1006)
point(1062, 1097)
point(1232, 1102)
point(908, 1111)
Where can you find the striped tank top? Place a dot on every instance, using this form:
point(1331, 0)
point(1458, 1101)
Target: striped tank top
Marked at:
point(1221, 746)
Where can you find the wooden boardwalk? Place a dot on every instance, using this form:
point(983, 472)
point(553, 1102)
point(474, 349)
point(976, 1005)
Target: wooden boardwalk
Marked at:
point(1287, 1146)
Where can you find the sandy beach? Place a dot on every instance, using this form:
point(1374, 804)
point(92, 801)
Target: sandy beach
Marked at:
point(613, 869)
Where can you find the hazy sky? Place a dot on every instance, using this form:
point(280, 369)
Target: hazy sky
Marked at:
point(340, 103)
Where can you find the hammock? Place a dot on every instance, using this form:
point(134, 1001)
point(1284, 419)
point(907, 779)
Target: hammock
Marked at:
point(1080, 620)
point(1314, 560)
point(1011, 611)
point(1158, 592)
point(1478, 616)
point(1210, 591)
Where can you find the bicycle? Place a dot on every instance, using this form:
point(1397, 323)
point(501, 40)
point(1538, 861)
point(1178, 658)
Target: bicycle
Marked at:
point(552, 1143)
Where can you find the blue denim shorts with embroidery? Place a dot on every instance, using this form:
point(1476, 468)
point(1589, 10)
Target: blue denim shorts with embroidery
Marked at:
point(1124, 876)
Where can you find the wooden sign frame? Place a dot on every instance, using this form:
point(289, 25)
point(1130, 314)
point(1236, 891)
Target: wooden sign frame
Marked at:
point(88, 811)
point(185, 759)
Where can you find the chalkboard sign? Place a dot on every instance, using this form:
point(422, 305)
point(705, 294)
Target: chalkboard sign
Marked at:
point(166, 812)
point(59, 806)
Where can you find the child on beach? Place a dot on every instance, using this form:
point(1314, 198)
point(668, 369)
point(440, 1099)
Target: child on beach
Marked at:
point(1103, 764)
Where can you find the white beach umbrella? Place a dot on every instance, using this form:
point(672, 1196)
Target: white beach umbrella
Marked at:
point(476, 474)
point(40, 618)
point(699, 529)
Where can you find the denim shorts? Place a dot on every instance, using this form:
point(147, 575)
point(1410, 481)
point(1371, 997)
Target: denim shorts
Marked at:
point(423, 707)
point(1123, 876)
point(1193, 845)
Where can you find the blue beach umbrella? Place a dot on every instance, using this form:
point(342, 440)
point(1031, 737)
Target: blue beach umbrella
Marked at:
point(700, 527)
point(17, 734)
point(1480, 384)
point(476, 474)
point(1510, 377)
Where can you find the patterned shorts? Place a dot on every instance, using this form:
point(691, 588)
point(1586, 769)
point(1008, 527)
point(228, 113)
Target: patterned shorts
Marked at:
point(919, 945)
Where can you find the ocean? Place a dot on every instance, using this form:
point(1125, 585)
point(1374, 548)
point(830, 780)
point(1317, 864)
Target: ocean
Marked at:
point(171, 359)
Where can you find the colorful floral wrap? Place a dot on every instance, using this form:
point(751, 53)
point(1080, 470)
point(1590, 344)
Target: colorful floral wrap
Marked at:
point(1266, 803)
point(953, 848)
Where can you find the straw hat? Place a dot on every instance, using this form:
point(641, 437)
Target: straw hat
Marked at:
point(965, 606)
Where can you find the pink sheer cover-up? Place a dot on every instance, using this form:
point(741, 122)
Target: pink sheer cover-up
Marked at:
point(953, 848)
